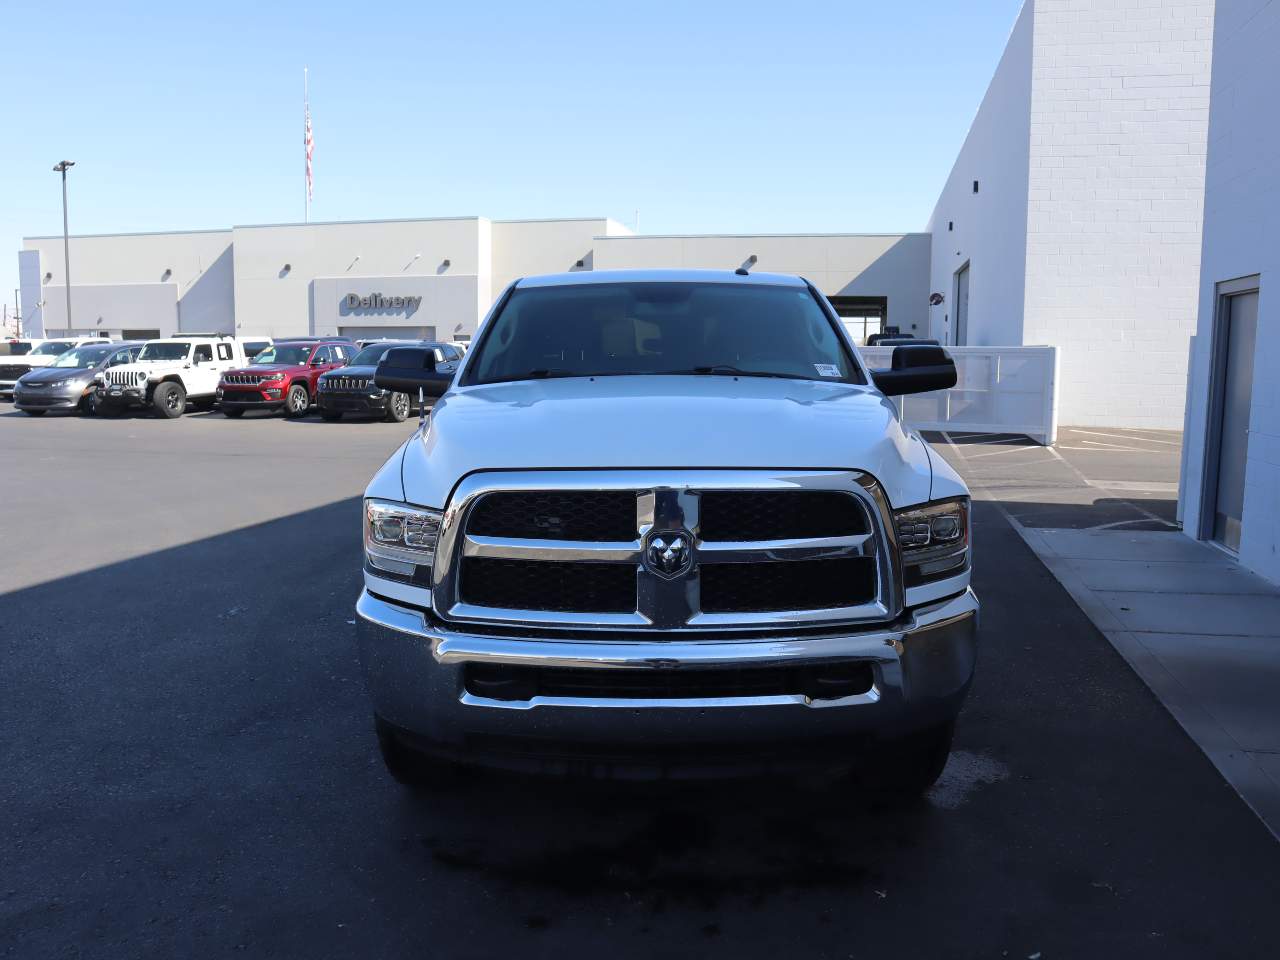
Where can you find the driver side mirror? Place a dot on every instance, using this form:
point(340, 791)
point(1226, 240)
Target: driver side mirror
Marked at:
point(916, 369)
point(405, 369)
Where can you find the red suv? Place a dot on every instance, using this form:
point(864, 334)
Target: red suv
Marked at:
point(283, 376)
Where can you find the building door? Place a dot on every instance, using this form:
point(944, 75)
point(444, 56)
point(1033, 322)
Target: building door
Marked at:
point(1229, 442)
point(962, 306)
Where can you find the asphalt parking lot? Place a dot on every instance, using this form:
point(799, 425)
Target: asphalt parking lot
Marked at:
point(190, 769)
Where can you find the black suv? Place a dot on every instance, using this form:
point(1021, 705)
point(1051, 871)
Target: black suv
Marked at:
point(351, 389)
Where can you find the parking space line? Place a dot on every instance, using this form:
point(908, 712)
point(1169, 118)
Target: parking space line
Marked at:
point(996, 453)
point(1120, 436)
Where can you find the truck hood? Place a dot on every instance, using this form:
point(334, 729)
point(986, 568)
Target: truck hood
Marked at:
point(664, 421)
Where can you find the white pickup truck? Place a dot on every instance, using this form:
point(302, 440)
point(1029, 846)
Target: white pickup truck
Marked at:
point(664, 521)
point(170, 375)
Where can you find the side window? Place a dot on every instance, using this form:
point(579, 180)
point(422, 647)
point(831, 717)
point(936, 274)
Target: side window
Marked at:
point(440, 357)
point(325, 354)
point(224, 351)
point(452, 353)
point(204, 353)
point(133, 353)
point(121, 356)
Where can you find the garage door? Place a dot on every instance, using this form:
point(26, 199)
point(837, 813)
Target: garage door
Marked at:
point(389, 333)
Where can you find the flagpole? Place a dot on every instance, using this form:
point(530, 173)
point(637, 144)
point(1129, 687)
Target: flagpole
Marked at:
point(306, 113)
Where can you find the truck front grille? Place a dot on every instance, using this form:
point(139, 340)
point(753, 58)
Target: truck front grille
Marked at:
point(788, 584)
point(545, 585)
point(591, 515)
point(12, 371)
point(780, 515)
point(243, 379)
point(665, 550)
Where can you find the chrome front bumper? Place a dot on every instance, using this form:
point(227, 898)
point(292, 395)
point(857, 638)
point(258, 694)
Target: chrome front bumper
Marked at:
point(921, 665)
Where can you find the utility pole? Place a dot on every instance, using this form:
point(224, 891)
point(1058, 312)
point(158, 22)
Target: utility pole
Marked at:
point(62, 167)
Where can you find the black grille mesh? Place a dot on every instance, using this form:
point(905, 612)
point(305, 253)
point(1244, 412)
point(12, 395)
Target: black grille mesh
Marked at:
point(599, 515)
point(736, 515)
point(543, 585)
point(821, 682)
point(12, 371)
point(787, 584)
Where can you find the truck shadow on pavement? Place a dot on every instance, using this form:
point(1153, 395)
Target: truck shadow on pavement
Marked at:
point(191, 769)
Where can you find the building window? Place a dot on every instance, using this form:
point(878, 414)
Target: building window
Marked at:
point(861, 316)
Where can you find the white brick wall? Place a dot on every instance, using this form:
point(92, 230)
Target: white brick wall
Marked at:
point(988, 230)
point(1119, 113)
point(1242, 238)
point(1085, 234)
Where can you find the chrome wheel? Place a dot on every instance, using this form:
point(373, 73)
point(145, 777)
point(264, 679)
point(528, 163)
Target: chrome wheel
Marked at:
point(171, 399)
point(402, 405)
point(298, 401)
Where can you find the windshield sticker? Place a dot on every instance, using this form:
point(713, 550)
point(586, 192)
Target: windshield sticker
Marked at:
point(827, 369)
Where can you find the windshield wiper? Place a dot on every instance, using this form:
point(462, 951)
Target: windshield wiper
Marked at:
point(728, 370)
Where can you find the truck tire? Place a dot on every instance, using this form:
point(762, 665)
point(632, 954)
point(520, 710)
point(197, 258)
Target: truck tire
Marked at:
point(408, 766)
point(297, 402)
point(228, 412)
point(330, 415)
point(169, 400)
point(397, 407)
point(909, 767)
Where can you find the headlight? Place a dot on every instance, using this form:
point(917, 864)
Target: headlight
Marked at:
point(274, 376)
point(934, 540)
point(400, 539)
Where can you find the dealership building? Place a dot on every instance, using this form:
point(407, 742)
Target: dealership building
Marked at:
point(1072, 218)
point(432, 278)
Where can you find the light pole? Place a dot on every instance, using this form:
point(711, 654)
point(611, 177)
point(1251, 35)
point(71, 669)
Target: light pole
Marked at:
point(62, 168)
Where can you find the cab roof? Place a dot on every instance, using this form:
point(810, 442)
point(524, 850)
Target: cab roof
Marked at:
point(583, 277)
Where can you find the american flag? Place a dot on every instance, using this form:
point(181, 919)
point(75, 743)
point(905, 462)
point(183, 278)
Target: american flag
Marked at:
point(310, 143)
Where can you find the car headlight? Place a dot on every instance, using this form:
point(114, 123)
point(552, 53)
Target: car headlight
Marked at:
point(400, 540)
point(273, 376)
point(934, 540)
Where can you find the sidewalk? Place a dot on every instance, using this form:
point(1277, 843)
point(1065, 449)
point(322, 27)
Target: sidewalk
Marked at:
point(1201, 632)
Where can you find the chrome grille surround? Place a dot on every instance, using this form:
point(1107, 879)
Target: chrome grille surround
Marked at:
point(667, 502)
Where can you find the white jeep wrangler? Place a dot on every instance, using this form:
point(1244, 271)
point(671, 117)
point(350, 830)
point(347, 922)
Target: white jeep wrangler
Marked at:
point(171, 374)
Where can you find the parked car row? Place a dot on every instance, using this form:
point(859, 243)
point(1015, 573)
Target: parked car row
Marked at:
point(201, 371)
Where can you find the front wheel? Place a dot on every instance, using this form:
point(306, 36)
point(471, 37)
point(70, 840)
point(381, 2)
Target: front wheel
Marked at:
point(397, 408)
point(89, 403)
point(298, 402)
point(169, 400)
point(408, 766)
point(908, 767)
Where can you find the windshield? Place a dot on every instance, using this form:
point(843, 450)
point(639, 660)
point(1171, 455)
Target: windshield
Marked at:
point(370, 355)
point(82, 358)
point(615, 329)
point(290, 355)
point(17, 349)
point(165, 351)
point(51, 349)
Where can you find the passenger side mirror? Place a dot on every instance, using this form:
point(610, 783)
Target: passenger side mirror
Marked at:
point(405, 369)
point(916, 369)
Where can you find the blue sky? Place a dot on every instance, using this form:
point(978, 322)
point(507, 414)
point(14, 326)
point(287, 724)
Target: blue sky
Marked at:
point(704, 116)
